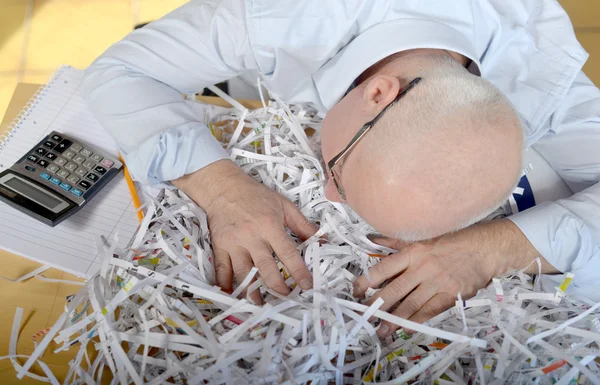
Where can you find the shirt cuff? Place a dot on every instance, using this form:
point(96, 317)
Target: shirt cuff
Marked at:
point(172, 154)
point(558, 235)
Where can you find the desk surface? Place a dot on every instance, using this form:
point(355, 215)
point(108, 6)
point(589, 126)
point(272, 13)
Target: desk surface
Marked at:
point(43, 302)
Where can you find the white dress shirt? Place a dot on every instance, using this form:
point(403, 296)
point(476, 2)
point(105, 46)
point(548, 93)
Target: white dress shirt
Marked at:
point(313, 50)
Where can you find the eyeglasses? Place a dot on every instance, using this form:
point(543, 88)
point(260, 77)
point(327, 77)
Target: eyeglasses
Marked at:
point(362, 132)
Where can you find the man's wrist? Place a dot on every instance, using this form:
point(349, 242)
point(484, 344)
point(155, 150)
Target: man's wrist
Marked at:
point(209, 182)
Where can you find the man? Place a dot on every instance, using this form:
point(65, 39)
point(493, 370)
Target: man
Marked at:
point(456, 90)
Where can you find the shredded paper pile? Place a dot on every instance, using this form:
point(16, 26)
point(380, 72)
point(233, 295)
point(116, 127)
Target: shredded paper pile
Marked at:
point(153, 314)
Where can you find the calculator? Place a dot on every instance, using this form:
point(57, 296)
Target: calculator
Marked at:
point(56, 178)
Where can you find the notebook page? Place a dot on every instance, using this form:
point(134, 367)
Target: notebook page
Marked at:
point(70, 246)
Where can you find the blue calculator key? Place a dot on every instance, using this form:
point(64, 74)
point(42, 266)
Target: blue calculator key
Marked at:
point(76, 191)
point(30, 169)
point(65, 186)
point(45, 175)
point(56, 181)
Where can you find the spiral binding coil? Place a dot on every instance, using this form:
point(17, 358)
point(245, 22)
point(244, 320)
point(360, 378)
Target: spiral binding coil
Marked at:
point(21, 118)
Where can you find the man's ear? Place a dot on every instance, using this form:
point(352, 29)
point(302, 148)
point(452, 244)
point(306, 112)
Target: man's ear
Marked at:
point(380, 91)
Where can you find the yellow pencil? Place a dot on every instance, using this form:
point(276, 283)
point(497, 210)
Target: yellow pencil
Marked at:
point(134, 195)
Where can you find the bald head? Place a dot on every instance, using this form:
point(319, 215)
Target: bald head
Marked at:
point(446, 155)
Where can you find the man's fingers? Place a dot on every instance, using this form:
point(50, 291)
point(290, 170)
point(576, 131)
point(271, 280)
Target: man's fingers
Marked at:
point(297, 222)
point(395, 291)
point(385, 269)
point(242, 264)
point(255, 295)
point(223, 270)
point(287, 253)
point(267, 267)
point(436, 305)
point(392, 243)
point(409, 306)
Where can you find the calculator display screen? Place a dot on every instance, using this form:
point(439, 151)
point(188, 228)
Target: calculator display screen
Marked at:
point(33, 193)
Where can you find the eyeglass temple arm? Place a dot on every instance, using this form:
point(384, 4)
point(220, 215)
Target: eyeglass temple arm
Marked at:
point(364, 129)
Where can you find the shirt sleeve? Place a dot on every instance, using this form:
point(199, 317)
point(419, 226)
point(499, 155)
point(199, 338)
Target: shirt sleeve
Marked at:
point(567, 232)
point(136, 87)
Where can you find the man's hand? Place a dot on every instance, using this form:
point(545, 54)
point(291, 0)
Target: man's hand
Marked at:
point(429, 275)
point(247, 221)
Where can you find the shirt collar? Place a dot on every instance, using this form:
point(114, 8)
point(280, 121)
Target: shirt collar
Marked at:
point(375, 44)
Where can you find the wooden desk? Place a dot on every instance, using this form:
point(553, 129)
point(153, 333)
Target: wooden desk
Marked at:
point(43, 302)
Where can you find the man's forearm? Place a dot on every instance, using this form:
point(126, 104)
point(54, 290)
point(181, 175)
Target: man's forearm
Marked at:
point(515, 251)
point(209, 182)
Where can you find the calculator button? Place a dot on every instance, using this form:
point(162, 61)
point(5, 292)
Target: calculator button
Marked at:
point(32, 158)
point(51, 156)
point(84, 184)
point(86, 152)
point(76, 147)
point(107, 163)
point(49, 144)
point(60, 161)
point(100, 170)
point(62, 174)
point(55, 181)
point(73, 179)
point(65, 186)
point(69, 154)
point(56, 138)
point(53, 168)
point(97, 157)
point(77, 192)
point(89, 164)
point(43, 163)
point(71, 166)
point(79, 159)
point(81, 171)
point(62, 146)
point(92, 177)
point(40, 151)
point(45, 175)
point(30, 169)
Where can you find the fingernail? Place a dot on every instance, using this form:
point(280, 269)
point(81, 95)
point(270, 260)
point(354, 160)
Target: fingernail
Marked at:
point(306, 283)
point(383, 331)
point(357, 291)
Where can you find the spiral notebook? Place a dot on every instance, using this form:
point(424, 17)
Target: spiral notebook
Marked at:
point(70, 246)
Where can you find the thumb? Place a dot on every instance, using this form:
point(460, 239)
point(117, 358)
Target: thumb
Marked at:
point(392, 243)
point(297, 222)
